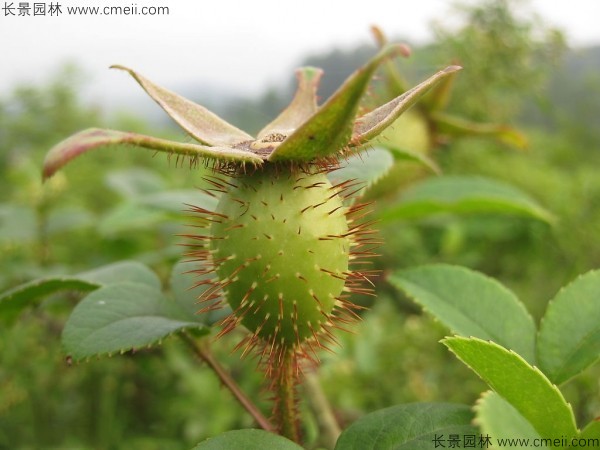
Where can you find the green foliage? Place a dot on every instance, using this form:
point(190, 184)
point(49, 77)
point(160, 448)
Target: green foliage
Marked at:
point(463, 195)
point(248, 440)
point(123, 317)
point(522, 385)
point(411, 426)
point(471, 304)
point(569, 337)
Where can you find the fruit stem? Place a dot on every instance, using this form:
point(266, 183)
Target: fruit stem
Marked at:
point(285, 410)
point(202, 351)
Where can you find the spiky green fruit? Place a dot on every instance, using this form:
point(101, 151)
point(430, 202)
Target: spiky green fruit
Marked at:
point(281, 249)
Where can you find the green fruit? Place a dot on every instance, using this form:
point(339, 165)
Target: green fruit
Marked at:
point(281, 248)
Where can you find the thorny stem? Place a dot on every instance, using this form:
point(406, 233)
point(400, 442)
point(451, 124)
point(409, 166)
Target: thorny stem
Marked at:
point(285, 411)
point(205, 355)
point(319, 403)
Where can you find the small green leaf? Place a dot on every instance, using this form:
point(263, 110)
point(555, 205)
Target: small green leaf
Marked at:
point(187, 288)
point(68, 218)
point(371, 124)
point(329, 130)
point(93, 138)
point(408, 427)
point(129, 216)
point(569, 336)
point(303, 105)
point(122, 317)
point(247, 440)
point(500, 420)
point(14, 301)
point(464, 195)
point(199, 122)
point(524, 386)
point(470, 304)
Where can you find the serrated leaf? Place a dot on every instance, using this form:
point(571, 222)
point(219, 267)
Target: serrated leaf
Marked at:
point(498, 419)
point(464, 195)
point(371, 124)
point(590, 435)
point(93, 138)
point(14, 301)
point(525, 387)
point(122, 317)
point(411, 427)
point(187, 288)
point(203, 125)
point(247, 440)
point(470, 304)
point(569, 336)
point(329, 130)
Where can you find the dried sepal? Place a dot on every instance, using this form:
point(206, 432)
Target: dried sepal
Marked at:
point(329, 130)
point(93, 138)
point(373, 123)
point(202, 124)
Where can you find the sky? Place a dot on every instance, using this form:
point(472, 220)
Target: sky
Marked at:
point(240, 45)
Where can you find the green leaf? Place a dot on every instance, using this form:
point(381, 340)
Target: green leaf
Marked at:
point(371, 124)
point(129, 216)
point(329, 130)
point(470, 304)
point(186, 287)
point(14, 301)
point(498, 419)
point(199, 122)
point(247, 440)
point(569, 336)
point(464, 195)
point(122, 317)
point(93, 138)
point(589, 436)
point(303, 105)
point(411, 427)
point(525, 387)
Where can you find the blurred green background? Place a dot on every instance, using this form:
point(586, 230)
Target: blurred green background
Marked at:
point(518, 72)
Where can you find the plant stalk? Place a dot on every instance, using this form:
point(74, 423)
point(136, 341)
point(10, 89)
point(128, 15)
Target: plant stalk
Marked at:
point(285, 410)
point(202, 352)
point(322, 408)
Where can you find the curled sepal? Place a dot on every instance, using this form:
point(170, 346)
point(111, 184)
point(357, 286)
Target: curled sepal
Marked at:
point(330, 128)
point(371, 124)
point(92, 138)
point(203, 125)
point(303, 105)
